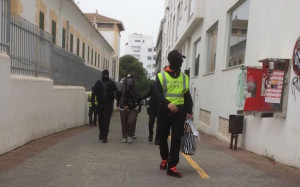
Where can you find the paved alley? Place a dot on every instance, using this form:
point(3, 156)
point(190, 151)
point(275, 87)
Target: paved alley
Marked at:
point(77, 158)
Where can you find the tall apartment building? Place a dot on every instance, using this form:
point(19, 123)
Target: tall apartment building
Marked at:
point(111, 30)
point(220, 38)
point(142, 48)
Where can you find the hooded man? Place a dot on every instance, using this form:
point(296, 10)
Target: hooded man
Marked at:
point(172, 89)
point(105, 91)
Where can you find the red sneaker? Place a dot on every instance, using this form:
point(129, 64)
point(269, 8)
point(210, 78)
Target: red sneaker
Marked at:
point(163, 164)
point(173, 172)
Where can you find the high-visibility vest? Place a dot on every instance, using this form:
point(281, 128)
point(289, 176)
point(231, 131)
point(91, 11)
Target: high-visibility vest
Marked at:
point(174, 88)
point(90, 99)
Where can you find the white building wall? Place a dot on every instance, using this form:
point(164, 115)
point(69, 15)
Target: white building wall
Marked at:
point(272, 33)
point(140, 51)
point(31, 108)
point(110, 37)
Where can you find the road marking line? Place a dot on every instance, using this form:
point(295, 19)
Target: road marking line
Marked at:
point(200, 171)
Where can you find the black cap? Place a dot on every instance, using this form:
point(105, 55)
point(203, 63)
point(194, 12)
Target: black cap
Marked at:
point(175, 56)
point(105, 72)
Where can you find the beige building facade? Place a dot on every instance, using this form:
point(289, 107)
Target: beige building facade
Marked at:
point(70, 29)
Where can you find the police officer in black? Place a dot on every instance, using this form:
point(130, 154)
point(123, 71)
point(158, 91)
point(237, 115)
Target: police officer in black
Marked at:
point(172, 89)
point(105, 91)
point(152, 111)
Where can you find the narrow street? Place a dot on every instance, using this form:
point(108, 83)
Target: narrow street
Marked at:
point(77, 158)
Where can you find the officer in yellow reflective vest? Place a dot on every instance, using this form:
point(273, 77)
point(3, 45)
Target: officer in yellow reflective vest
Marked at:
point(92, 110)
point(172, 89)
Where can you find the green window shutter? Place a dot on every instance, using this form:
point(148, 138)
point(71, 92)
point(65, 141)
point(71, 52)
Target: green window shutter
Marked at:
point(92, 57)
point(64, 38)
point(71, 42)
point(83, 50)
point(42, 20)
point(95, 58)
point(88, 54)
point(53, 31)
point(78, 45)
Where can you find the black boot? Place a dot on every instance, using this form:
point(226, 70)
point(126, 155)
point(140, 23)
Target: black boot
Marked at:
point(104, 140)
point(150, 138)
point(100, 137)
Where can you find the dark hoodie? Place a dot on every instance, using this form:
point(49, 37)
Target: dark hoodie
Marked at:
point(188, 102)
point(104, 89)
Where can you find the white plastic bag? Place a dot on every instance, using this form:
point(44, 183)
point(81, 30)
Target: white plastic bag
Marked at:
point(193, 128)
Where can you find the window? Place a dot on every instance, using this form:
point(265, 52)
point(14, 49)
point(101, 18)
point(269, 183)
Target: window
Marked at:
point(148, 66)
point(83, 50)
point(98, 60)
point(178, 18)
point(154, 57)
point(149, 58)
point(42, 20)
point(136, 48)
point(105, 25)
point(63, 38)
point(137, 40)
point(196, 57)
point(53, 31)
point(191, 8)
point(78, 46)
point(71, 42)
point(211, 48)
point(95, 58)
point(92, 58)
point(149, 49)
point(88, 54)
point(238, 34)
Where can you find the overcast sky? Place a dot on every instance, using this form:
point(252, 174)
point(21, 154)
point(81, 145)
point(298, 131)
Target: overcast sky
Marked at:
point(138, 16)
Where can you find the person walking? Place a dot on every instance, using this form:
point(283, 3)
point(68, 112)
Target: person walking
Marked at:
point(152, 111)
point(105, 91)
point(172, 87)
point(130, 100)
point(92, 110)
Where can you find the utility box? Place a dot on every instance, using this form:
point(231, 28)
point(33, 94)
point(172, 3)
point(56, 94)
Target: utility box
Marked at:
point(267, 88)
point(236, 124)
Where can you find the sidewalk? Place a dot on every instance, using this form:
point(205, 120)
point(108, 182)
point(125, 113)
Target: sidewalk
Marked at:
point(77, 158)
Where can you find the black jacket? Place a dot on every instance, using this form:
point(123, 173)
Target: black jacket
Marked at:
point(111, 90)
point(188, 102)
point(153, 102)
point(130, 96)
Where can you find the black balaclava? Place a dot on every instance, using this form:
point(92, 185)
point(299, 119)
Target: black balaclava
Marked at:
point(105, 75)
point(175, 59)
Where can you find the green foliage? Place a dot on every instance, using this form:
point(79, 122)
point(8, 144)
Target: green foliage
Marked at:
point(130, 65)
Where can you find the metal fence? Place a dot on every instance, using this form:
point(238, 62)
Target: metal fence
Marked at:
point(33, 53)
point(4, 25)
point(69, 69)
point(30, 48)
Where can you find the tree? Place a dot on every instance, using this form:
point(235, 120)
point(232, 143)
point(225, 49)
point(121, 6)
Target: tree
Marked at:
point(130, 65)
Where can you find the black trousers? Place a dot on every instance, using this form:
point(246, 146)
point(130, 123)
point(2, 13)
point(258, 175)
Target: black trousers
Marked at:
point(176, 123)
point(92, 112)
point(152, 112)
point(105, 109)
